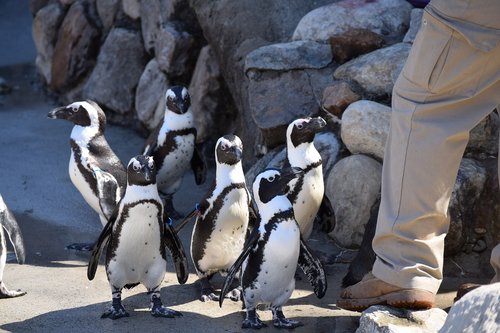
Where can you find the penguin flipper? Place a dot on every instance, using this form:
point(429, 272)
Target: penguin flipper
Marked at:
point(326, 215)
point(99, 246)
point(9, 223)
point(250, 243)
point(107, 191)
point(199, 166)
point(174, 244)
point(313, 269)
point(151, 141)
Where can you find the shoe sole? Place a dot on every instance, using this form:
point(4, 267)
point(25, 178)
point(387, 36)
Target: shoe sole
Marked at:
point(408, 299)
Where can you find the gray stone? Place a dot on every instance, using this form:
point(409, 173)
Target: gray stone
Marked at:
point(208, 98)
point(174, 50)
point(384, 17)
point(328, 145)
point(484, 137)
point(476, 312)
point(76, 48)
point(415, 22)
point(353, 186)
point(150, 23)
point(278, 98)
point(132, 8)
point(235, 28)
point(365, 126)
point(468, 187)
point(287, 56)
point(119, 66)
point(107, 10)
point(152, 85)
point(45, 26)
point(386, 319)
point(353, 43)
point(377, 71)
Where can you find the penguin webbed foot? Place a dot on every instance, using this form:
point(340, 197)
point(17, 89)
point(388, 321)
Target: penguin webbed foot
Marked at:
point(115, 312)
point(208, 294)
point(234, 295)
point(6, 293)
point(158, 310)
point(84, 247)
point(252, 320)
point(161, 311)
point(279, 321)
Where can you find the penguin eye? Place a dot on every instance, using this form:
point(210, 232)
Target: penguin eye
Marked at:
point(223, 147)
point(136, 167)
point(271, 179)
point(300, 126)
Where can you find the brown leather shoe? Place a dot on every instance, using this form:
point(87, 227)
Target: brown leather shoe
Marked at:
point(373, 291)
point(464, 289)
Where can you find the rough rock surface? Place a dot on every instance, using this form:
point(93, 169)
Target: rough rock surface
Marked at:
point(113, 81)
point(386, 319)
point(353, 186)
point(384, 17)
point(132, 8)
point(353, 43)
point(107, 10)
point(475, 312)
point(45, 26)
point(484, 137)
point(76, 47)
point(377, 71)
point(152, 85)
point(365, 126)
point(337, 97)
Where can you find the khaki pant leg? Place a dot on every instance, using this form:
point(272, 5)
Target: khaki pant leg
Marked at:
point(444, 90)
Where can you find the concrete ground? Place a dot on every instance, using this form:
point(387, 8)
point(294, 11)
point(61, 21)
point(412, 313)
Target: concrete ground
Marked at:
point(34, 181)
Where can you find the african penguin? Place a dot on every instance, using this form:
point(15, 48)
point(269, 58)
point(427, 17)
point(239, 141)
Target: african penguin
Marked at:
point(307, 190)
point(221, 225)
point(136, 238)
point(172, 146)
point(9, 223)
point(272, 252)
point(94, 168)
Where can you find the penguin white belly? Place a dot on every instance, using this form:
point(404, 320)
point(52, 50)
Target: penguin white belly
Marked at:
point(137, 256)
point(228, 238)
point(276, 279)
point(175, 165)
point(308, 201)
point(81, 184)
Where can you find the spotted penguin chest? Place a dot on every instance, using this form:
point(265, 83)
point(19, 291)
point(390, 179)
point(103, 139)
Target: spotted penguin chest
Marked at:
point(309, 200)
point(138, 256)
point(175, 163)
point(79, 181)
point(227, 237)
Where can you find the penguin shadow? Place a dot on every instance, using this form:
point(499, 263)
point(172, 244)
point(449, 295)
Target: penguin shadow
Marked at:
point(46, 243)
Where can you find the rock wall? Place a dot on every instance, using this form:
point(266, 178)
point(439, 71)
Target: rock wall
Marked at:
point(253, 66)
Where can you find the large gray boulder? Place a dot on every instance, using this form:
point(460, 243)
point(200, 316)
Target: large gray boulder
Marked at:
point(44, 30)
point(377, 71)
point(365, 127)
point(234, 29)
point(152, 86)
point(76, 47)
point(210, 99)
point(107, 10)
point(120, 64)
point(476, 312)
point(353, 186)
point(384, 17)
point(415, 22)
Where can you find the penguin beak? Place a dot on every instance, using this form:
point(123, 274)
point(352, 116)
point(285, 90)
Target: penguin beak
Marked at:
point(58, 113)
point(149, 175)
point(236, 151)
point(289, 174)
point(316, 124)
